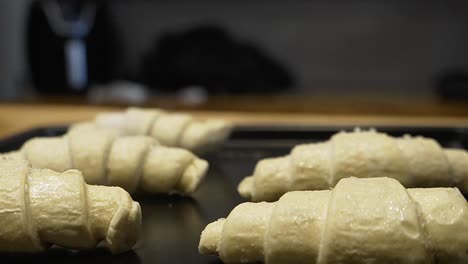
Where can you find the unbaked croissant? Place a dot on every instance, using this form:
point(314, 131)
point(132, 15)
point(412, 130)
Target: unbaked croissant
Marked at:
point(41, 207)
point(170, 129)
point(372, 221)
point(131, 162)
point(414, 161)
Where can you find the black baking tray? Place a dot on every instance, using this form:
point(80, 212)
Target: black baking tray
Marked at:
point(172, 224)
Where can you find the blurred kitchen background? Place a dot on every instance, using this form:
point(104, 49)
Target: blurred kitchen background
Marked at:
point(134, 52)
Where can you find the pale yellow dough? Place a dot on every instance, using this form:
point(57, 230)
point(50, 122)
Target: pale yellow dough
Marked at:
point(170, 129)
point(372, 221)
point(413, 161)
point(106, 158)
point(41, 207)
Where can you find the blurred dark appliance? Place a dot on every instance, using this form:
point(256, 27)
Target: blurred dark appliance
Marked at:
point(70, 45)
point(453, 85)
point(209, 57)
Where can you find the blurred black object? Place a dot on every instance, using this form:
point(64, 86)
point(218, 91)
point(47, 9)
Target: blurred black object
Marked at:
point(453, 85)
point(209, 57)
point(70, 45)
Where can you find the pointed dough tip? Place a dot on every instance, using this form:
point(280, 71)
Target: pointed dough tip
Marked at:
point(245, 188)
point(210, 238)
point(194, 175)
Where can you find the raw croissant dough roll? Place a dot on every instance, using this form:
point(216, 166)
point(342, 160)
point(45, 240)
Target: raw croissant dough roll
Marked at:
point(41, 207)
point(131, 162)
point(370, 221)
point(170, 129)
point(414, 161)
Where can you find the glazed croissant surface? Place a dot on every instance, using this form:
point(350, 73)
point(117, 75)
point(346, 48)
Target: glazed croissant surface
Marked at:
point(105, 158)
point(41, 207)
point(170, 129)
point(414, 161)
point(372, 221)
